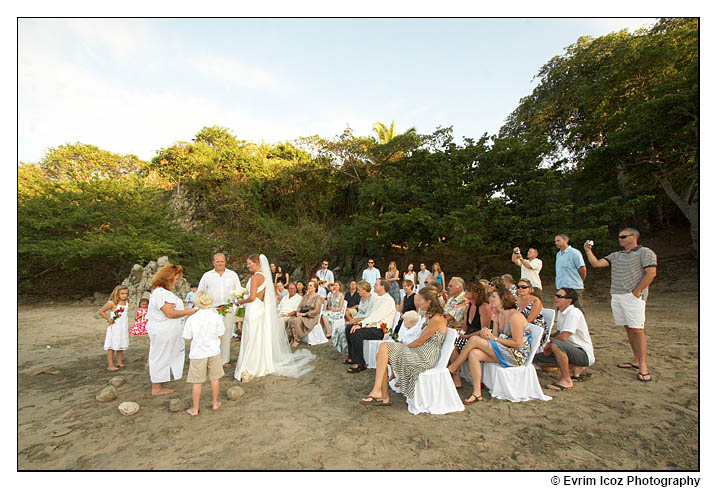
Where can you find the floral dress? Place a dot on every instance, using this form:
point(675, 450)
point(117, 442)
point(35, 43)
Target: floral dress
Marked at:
point(140, 325)
point(508, 356)
point(334, 302)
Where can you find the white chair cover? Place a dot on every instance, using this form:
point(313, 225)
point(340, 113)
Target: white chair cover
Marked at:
point(549, 315)
point(371, 347)
point(316, 336)
point(516, 384)
point(434, 392)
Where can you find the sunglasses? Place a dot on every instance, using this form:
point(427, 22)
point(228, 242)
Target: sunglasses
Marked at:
point(522, 287)
point(560, 297)
point(492, 284)
point(371, 262)
point(623, 237)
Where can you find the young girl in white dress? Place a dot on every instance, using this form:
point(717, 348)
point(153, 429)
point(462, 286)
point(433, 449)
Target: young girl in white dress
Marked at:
point(117, 337)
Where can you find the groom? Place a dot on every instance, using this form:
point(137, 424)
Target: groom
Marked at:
point(220, 282)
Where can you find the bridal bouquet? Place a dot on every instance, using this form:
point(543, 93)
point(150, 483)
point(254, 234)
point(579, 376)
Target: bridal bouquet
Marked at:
point(240, 292)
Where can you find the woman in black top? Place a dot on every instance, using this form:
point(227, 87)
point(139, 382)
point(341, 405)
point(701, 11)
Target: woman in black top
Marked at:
point(352, 295)
point(407, 302)
point(281, 276)
point(478, 315)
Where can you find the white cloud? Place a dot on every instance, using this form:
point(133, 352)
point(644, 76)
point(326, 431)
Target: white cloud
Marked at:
point(236, 72)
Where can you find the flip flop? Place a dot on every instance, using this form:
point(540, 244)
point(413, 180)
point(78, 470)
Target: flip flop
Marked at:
point(356, 369)
point(627, 365)
point(476, 399)
point(582, 377)
point(347, 361)
point(371, 400)
point(558, 387)
point(642, 377)
point(380, 403)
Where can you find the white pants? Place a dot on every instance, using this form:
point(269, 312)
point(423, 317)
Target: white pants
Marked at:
point(226, 340)
point(628, 310)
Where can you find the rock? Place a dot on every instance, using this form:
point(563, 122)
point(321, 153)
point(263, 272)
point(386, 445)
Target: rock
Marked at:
point(178, 404)
point(128, 408)
point(139, 283)
point(100, 298)
point(118, 381)
point(235, 392)
point(163, 261)
point(108, 393)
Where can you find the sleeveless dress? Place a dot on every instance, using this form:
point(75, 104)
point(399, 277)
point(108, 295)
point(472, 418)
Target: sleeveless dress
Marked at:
point(408, 363)
point(474, 326)
point(255, 350)
point(539, 322)
point(166, 344)
point(395, 290)
point(508, 356)
point(140, 325)
point(439, 278)
point(117, 335)
point(411, 276)
point(334, 303)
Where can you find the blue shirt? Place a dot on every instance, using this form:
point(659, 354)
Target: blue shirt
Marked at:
point(371, 275)
point(189, 299)
point(567, 265)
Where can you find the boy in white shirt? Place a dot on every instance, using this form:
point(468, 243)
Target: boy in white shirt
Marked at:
point(205, 329)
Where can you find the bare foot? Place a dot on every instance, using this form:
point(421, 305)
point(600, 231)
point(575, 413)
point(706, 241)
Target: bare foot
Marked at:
point(216, 406)
point(120, 365)
point(226, 365)
point(112, 368)
point(454, 369)
point(294, 343)
point(163, 391)
point(192, 412)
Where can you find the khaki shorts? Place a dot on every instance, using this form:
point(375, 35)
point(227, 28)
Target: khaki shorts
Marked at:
point(198, 369)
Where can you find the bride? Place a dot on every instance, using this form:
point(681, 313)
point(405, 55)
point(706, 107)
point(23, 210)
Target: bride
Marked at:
point(265, 348)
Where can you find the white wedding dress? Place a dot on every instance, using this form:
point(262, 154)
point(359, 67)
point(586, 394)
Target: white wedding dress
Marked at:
point(264, 348)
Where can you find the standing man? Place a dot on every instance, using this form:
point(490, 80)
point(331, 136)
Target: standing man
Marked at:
point(530, 268)
point(371, 274)
point(570, 267)
point(423, 275)
point(324, 274)
point(383, 310)
point(219, 282)
point(633, 269)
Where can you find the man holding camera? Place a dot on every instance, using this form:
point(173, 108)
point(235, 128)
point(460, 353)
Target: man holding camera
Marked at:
point(530, 268)
point(632, 271)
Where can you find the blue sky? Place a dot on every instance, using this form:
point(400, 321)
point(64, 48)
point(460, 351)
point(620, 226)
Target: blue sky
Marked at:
point(137, 85)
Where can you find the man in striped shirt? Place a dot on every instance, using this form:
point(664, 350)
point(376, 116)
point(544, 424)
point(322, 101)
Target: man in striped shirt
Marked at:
point(632, 270)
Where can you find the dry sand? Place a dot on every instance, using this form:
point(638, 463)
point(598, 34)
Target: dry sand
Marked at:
point(611, 422)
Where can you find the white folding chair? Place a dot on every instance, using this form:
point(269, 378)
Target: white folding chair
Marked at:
point(371, 347)
point(434, 391)
point(316, 336)
point(549, 315)
point(516, 384)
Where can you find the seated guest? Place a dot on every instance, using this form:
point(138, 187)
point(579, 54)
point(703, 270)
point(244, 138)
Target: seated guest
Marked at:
point(531, 307)
point(570, 347)
point(456, 305)
point(407, 302)
point(383, 311)
point(333, 309)
point(352, 298)
point(509, 283)
point(409, 361)
point(307, 315)
point(339, 338)
point(322, 289)
point(289, 304)
point(410, 329)
point(280, 291)
point(301, 289)
point(509, 349)
point(477, 316)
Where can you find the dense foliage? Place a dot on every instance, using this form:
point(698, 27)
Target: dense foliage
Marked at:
point(607, 139)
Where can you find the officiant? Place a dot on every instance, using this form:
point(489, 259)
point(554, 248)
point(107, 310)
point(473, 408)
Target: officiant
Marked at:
point(220, 282)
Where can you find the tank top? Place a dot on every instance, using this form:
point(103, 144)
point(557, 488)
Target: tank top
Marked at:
point(475, 324)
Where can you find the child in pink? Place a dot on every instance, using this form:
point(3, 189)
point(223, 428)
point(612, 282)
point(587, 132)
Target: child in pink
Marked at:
point(140, 325)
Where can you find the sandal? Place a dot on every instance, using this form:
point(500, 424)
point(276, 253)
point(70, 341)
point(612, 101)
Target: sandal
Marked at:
point(469, 401)
point(627, 365)
point(347, 361)
point(356, 369)
point(644, 377)
point(558, 387)
point(582, 377)
point(371, 400)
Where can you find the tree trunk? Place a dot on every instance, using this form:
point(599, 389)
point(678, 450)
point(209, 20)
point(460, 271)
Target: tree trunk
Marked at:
point(687, 204)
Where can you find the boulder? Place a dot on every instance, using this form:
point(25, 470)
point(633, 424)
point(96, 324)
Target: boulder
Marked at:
point(118, 381)
point(106, 394)
point(235, 392)
point(178, 404)
point(139, 283)
point(128, 408)
point(163, 261)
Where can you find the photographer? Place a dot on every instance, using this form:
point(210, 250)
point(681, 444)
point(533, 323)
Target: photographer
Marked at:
point(530, 268)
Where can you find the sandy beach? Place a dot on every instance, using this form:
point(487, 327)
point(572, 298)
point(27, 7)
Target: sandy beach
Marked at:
point(610, 422)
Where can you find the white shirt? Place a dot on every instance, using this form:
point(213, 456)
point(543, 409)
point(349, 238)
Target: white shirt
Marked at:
point(327, 275)
point(203, 329)
point(158, 298)
point(371, 275)
point(219, 286)
point(283, 294)
point(422, 277)
point(572, 320)
point(383, 310)
point(322, 292)
point(289, 304)
point(408, 335)
point(533, 273)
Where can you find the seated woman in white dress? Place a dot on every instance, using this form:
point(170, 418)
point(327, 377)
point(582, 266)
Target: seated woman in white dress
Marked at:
point(165, 328)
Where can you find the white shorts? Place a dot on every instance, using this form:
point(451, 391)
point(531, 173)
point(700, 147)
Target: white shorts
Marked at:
point(628, 310)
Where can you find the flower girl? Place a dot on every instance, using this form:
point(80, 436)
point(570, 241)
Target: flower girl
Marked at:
point(117, 337)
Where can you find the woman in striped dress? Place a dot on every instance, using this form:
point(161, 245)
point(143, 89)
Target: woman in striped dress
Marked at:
point(408, 361)
point(509, 348)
